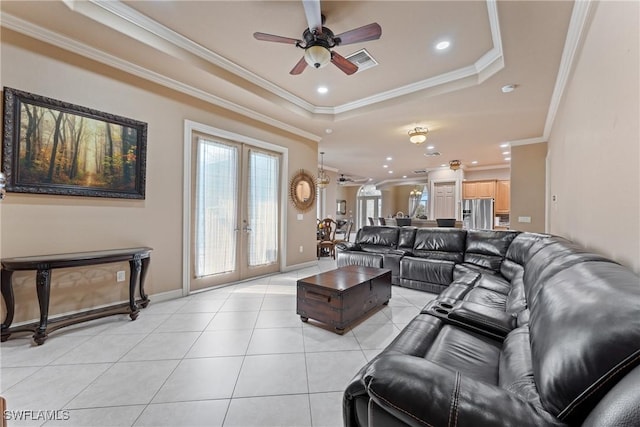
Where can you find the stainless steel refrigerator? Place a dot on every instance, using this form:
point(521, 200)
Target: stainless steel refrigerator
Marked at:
point(477, 214)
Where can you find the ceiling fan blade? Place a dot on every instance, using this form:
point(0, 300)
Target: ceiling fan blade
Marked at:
point(313, 13)
point(299, 67)
point(271, 38)
point(343, 63)
point(361, 34)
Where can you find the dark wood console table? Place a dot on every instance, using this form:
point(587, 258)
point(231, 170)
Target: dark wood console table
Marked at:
point(138, 263)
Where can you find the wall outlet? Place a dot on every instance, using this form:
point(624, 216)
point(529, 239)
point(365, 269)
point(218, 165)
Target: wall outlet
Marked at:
point(120, 276)
point(526, 219)
point(301, 249)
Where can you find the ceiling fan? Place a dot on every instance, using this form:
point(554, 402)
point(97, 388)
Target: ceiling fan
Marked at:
point(318, 40)
point(342, 180)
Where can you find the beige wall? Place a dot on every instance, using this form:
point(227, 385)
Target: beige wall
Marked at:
point(348, 193)
point(41, 224)
point(528, 186)
point(594, 143)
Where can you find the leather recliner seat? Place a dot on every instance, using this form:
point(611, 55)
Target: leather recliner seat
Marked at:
point(576, 362)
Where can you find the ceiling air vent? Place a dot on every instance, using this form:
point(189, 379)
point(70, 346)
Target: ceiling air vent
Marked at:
point(420, 171)
point(432, 154)
point(362, 59)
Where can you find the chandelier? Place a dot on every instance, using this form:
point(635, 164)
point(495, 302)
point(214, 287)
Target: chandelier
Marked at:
point(418, 135)
point(323, 179)
point(454, 165)
point(416, 193)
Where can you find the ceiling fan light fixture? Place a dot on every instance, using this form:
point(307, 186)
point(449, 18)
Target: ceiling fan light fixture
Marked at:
point(418, 135)
point(317, 56)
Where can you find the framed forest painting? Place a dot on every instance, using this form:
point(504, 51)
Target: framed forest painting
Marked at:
point(53, 147)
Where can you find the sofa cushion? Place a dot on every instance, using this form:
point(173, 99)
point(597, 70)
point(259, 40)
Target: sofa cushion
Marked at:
point(585, 335)
point(406, 238)
point(440, 243)
point(487, 248)
point(551, 256)
point(519, 252)
point(516, 368)
point(426, 270)
point(378, 239)
point(359, 258)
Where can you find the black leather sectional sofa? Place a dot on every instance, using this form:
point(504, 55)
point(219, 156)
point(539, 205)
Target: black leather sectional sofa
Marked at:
point(527, 330)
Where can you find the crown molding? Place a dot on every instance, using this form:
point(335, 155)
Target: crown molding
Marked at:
point(486, 168)
point(131, 22)
point(580, 19)
point(527, 141)
point(16, 24)
point(488, 64)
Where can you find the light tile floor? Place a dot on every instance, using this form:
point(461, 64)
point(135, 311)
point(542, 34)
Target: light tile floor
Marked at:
point(234, 356)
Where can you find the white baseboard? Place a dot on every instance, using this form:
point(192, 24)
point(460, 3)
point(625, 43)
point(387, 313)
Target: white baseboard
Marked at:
point(300, 266)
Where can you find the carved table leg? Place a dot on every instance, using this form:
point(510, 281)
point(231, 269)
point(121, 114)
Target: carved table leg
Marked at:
point(9, 301)
point(135, 265)
point(143, 276)
point(43, 288)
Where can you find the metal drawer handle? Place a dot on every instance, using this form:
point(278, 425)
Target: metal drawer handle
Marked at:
point(319, 297)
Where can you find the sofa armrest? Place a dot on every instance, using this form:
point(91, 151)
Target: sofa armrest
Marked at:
point(419, 392)
point(486, 318)
point(347, 246)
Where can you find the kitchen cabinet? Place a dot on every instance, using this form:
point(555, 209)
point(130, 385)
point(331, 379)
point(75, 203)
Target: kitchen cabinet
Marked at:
point(503, 197)
point(479, 189)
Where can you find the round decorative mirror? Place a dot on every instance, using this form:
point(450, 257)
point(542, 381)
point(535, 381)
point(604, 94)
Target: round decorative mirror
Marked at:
point(302, 190)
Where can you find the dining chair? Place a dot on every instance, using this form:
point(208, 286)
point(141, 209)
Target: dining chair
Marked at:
point(346, 231)
point(327, 236)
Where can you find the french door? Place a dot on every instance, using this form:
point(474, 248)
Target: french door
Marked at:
point(235, 207)
point(369, 207)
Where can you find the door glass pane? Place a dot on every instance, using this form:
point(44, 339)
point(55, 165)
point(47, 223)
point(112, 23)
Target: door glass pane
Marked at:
point(263, 208)
point(216, 208)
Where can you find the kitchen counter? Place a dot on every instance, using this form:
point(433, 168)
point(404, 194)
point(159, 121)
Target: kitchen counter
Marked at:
point(421, 223)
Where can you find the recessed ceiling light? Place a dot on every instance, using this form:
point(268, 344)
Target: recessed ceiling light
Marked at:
point(443, 165)
point(443, 45)
point(404, 176)
point(328, 131)
point(508, 88)
point(504, 153)
point(389, 159)
point(430, 147)
point(475, 162)
point(323, 89)
point(390, 171)
point(505, 145)
point(385, 166)
point(506, 159)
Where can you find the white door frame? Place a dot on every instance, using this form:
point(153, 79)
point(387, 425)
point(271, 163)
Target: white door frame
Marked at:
point(189, 128)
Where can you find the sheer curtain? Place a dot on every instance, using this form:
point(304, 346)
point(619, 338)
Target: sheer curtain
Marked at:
point(216, 208)
point(263, 208)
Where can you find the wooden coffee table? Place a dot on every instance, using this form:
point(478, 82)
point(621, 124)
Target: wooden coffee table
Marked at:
point(340, 297)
